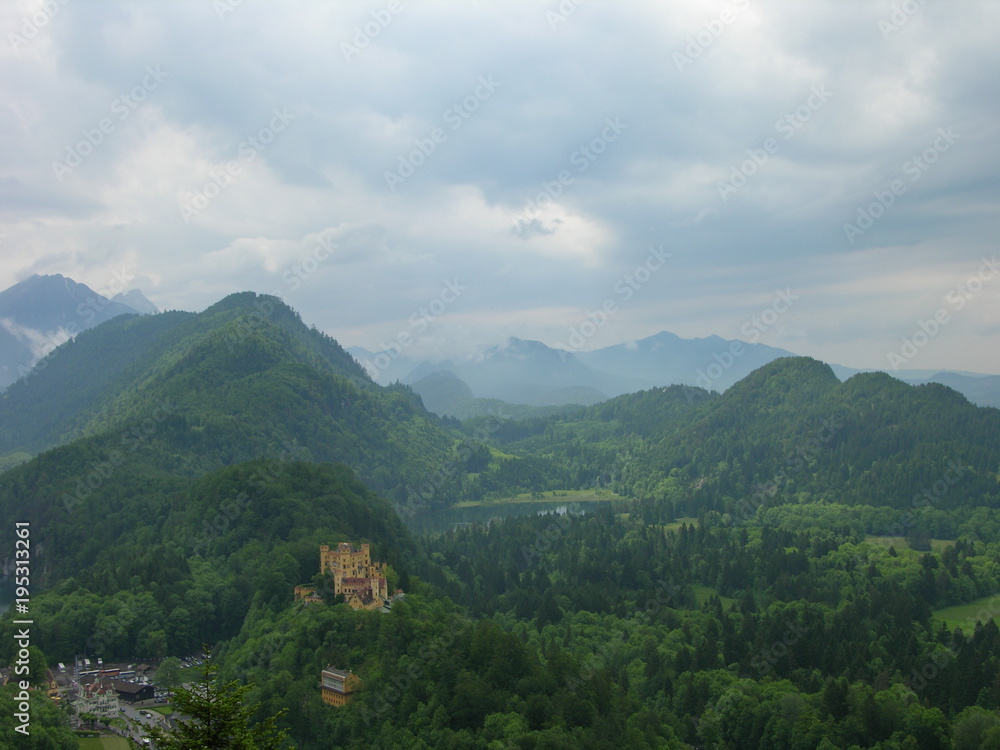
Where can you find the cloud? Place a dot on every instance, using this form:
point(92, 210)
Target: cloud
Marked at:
point(40, 343)
point(499, 116)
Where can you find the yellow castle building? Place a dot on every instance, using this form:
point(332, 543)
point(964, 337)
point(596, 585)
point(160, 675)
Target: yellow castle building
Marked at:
point(360, 581)
point(338, 686)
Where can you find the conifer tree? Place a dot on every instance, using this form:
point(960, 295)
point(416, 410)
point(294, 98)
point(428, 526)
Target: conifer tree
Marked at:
point(218, 718)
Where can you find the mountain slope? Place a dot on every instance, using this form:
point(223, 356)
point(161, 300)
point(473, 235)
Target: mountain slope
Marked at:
point(982, 389)
point(42, 312)
point(81, 387)
point(48, 303)
point(663, 359)
point(187, 393)
point(154, 565)
point(66, 390)
point(788, 432)
point(202, 459)
point(791, 427)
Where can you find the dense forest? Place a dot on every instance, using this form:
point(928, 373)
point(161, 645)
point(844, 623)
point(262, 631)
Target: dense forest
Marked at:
point(772, 573)
point(583, 631)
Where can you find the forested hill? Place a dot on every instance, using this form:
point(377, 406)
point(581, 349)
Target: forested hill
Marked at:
point(789, 431)
point(199, 461)
point(110, 373)
point(182, 393)
point(152, 565)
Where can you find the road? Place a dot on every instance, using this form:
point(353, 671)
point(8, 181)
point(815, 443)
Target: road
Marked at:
point(134, 713)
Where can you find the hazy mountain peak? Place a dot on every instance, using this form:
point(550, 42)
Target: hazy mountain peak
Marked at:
point(137, 301)
point(657, 340)
point(516, 348)
point(43, 312)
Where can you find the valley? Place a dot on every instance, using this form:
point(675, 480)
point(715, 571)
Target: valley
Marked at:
point(794, 559)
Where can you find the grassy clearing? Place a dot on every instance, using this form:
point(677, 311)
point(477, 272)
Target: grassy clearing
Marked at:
point(676, 525)
point(901, 545)
point(703, 593)
point(964, 616)
point(555, 496)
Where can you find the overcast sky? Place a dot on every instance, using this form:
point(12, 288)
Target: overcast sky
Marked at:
point(819, 176)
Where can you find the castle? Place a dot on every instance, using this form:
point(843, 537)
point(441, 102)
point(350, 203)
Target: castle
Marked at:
point(361, 582)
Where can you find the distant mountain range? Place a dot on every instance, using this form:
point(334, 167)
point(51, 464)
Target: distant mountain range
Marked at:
point(534, 374)
point(42, 312)
point(529, 372)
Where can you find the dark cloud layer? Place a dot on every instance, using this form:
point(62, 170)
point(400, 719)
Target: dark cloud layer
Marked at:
point(532, 152)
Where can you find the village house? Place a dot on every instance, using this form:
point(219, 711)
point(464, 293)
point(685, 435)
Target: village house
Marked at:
point(133, 692)
point(338, 686)
point(98, 698)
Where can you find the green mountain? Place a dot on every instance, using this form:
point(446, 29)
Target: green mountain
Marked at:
point(789, 430)
point(84, 384)
point(153, 564)
point(191, 464)
point(185, 393)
